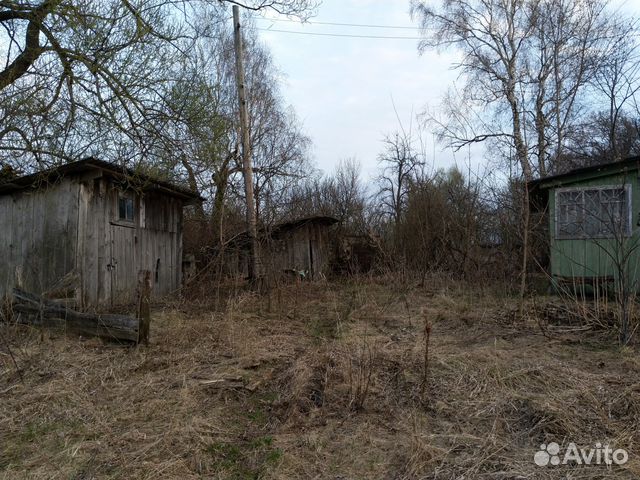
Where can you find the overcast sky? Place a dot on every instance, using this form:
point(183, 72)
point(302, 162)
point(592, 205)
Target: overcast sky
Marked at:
point(343, 89)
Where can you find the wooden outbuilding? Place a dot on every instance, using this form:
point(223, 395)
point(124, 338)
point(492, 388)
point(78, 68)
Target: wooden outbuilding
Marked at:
point(593, 216)
point(85, 230)
point(304, 247)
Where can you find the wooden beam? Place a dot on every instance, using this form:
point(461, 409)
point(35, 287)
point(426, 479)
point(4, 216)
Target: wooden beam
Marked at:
point(35, 310)
point(144, 310)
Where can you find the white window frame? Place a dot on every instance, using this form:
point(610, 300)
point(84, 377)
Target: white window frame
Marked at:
point(582, 236)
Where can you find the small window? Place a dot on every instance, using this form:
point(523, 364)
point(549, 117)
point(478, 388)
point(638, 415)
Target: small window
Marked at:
point(125, 208)
point(593, 212)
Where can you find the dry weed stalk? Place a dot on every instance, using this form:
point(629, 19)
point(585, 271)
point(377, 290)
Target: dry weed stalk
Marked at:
point(421, 453)
point(235, 330)
point(343, 315)
point(604, 306)
point(360, 372)
point(13, 358)
point(425, 366)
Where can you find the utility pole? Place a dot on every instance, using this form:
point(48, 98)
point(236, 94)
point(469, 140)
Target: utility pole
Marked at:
point(247, 169)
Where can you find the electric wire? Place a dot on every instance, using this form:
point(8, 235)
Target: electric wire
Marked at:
point(318, 34)
point(338, 24)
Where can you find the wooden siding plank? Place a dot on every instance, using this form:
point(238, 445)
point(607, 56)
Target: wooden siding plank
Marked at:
point(6, 227)
point(35, 236)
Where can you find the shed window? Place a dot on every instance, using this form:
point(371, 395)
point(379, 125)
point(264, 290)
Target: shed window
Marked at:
point(602, 212)
point(125, 208)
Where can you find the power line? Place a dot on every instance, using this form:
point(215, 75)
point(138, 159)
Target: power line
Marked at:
point(337, 34)
point(361, 25)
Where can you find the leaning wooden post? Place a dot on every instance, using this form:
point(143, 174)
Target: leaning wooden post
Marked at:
point(245, 134)
point(144, 311)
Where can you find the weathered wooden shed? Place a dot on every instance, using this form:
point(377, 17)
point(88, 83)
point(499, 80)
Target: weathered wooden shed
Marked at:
point(593, 222)
point(303, 245)
point(85, 229)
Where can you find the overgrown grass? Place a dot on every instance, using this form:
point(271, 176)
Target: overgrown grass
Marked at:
point(327, 381)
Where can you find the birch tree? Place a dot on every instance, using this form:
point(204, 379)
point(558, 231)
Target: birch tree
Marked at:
point(526, 66)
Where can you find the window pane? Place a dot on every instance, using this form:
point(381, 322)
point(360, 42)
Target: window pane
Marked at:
point(122, 208)
point(570, 213)
point(129, 209)
point(125, 208)
point(592, 213)
point(593, 218)
point(614, 208)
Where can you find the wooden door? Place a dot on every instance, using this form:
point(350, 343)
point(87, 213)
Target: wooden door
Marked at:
point(123, 264)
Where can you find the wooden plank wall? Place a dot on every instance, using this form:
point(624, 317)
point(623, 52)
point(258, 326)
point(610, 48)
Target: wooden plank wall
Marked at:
point(38, 236)
point(320, 236)
point(295, 248)
point(162, 239)
point(114, 251)
point(94, 243)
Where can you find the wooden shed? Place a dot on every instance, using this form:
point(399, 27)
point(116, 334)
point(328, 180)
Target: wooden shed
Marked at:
point(85, 229)
point(593, 222)
point(304, 245)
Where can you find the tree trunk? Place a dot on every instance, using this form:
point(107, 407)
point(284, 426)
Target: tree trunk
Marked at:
point(193, 185)
point(221, 180)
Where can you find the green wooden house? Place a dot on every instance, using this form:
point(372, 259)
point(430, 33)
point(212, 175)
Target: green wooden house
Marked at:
point(594, 215)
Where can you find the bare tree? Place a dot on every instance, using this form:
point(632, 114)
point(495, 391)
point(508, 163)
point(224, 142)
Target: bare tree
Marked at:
point(526, 65)
point(347, 195)
point(490, 36)
point(87, 76)
point(598, 141)
point(200, 125)
point(400, 162)
point(444, 224)
point(340, 194)
point(618, 81)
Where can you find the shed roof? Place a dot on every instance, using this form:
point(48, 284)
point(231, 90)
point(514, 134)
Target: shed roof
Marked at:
point(300, 222)
point(136, 179)
point(586, 173)
point(242, 238)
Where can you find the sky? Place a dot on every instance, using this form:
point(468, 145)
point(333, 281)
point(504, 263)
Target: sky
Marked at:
point(344, 89)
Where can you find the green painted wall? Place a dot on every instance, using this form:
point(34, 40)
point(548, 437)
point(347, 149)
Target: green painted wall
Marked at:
point(595, 257)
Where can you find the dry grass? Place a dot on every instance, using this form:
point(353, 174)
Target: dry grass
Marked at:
point(319, 381)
